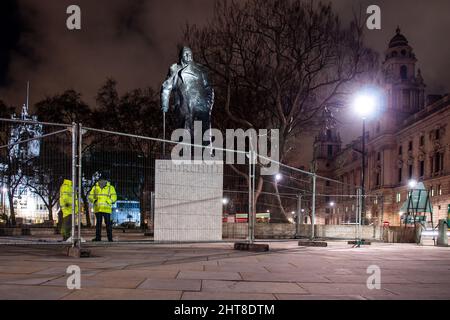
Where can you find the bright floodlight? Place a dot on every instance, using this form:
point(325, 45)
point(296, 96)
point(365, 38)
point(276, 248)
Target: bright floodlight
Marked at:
point(278, 177)
point(412, 183)
point(225, 200)
point(331, 204)
point(364, 104)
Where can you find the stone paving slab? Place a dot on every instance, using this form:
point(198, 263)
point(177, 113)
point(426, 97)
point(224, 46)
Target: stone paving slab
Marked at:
point(122, 294)
point(226, 296)
point(21, 269)
point(281, 268)
point(281, 296)
point(283, 277)
point(431, 278)
point(61, 271)
point(251, 287)
point(210, 275)
point(29, 280)
point(215, 271)
point(171, 284)
point(236, 268)
point(362, 279)
point(343, 289)
point(137, 274)
point(19, 292)
point(91, 282)
point(420, 291)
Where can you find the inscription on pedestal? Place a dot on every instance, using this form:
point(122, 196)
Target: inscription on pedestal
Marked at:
point(188, 201)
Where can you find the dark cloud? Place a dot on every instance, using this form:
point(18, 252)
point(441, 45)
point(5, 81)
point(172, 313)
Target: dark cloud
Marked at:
point(131, 41)
point(135, 42)
point(11, 28)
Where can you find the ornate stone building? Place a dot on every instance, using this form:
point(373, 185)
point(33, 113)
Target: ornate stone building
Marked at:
point(408, 139)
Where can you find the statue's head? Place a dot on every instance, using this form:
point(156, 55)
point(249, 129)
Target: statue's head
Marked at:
point(186, 56)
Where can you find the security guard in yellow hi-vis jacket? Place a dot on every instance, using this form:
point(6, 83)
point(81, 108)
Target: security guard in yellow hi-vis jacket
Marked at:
point(103, 196)
point(65, 202)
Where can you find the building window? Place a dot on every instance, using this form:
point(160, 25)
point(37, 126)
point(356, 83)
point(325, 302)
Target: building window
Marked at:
point(400, 150)
point(438, 162)
point(410, 171)
point(437, 134)
point(400, 175)
point(398, 197)
point(406, 100)
point(403, 72)
point(432, 191)
point(328, 134)
point(422, 141)
point(330, 151)
point(421, 168)
point(410, 146)
point(379, 156)
point(378, 179)
point(439, 190)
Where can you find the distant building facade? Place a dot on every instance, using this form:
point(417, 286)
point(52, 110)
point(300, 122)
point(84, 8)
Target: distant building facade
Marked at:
point(409, 139)
point(28, 206)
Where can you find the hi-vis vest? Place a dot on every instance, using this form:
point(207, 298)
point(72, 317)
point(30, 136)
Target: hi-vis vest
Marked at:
point(65, 198)
point(103, 199)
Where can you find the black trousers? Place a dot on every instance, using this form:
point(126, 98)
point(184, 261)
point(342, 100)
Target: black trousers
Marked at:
point(98, 225)
point(66, 227)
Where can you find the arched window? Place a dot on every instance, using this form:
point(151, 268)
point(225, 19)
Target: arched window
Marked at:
point(403, 72)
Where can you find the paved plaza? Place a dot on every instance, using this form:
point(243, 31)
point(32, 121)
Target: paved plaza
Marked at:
point(216, 271)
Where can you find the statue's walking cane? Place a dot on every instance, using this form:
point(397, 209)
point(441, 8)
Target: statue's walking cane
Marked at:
point(164, 133)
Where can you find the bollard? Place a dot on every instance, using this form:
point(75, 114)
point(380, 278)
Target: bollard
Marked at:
point(442, 240)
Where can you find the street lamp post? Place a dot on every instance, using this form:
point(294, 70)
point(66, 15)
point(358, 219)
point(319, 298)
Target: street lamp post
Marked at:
point(363, 170)
point(364, 105)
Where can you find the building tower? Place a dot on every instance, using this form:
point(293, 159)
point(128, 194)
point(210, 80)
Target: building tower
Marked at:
point(404, 88)
point(327, 145)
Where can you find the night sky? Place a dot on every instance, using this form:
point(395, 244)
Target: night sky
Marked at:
point(135, 42)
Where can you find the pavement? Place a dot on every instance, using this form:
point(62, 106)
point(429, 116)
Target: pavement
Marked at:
point(216, 271)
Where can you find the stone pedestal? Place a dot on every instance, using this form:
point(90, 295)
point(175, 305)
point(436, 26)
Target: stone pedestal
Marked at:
point(188, 201)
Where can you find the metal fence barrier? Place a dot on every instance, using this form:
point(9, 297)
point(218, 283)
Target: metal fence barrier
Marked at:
point(36, 158)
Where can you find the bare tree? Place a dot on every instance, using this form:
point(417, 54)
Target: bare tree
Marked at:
point(135, 112)
point(47, 173)
point(279, 64)
point(14, 166)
